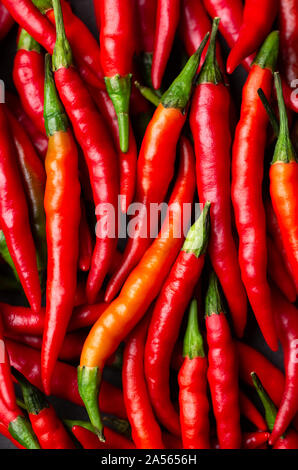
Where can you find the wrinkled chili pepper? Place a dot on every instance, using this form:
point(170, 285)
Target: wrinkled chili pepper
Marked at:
point(210, 125)
point(14, 217)
point(28, 77)
point(257, 21)
point(168, 313)
point(167, 19)
point(49, 429)
point(62, 207)
point(283, 186)
point(146, 432)
point(247, 176)
point(230, 13)
point(6, 21)
point(138, 292)
point(222, 370)
point(93, 136)
point(290, 439)
point(156, 166)
point(278, 271)
point(85, 435)
point(117, 42)
point(192, 378)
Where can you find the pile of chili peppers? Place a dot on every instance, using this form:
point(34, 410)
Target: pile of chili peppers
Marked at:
point(98, 131)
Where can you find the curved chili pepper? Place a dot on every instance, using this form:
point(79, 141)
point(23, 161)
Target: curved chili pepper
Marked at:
point(47, 426)
point(128, 160)
point(257, 22)
point(278, 272)
point(64, 384)
point(247, 175)
point(156, 166)
point(192, 378)
point(146, 432)
point(167, 19)
point(11, 415)
point(210, 125)
point(28, 77)
point(283, 186)
point(92, 135)
point(14, 217)
point(62, 207)
point(230, 13)
point(168, 313)
point(6, 21)
point(288, 21)
point(85, 241)
point(139, 291)
point(117, 42)
point(290, 439)
point(85, 435)
point(286, 320)
point(146, 11)
point(248, 409)
point(223, 370)
point(39, 140)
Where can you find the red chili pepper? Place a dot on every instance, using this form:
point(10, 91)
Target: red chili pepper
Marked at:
point(146, 432)
point(210, 125)
point(92, 135)
point(156, 166)
point(290, 439)
point(278, 272)
point(89, 440)
point(4, 431)
point(47, 426)
point(28, 77)
point(257, 22)
point(247, 175)
point(250, 440)
point(230, 13)
point(288, 24)
point(222, 371)
point(85, 241)
point(6, 21)
point(192, 378)
point(168, 313)
point(138, 292)
point(146, 16)
point(283, 186)
point(167, 19)
point(64, 385)
point(128, 160)
point(62, 207)
point(14, 217)
point(248, 409)
point(39, 140)
point(117, 42)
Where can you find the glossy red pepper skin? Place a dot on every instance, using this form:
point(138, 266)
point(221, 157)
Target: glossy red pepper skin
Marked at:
point(85, 241)
point(251, 440)
point(28, 77)
point(230, 13)
point(286, 320)
point(89, 440)
point(167, 19)
point(248, 409)
point(290, 441)
point(288, 24)
point(6, 21)
point(14, 217)
point(278, 271)
point(146, 432)
point(247, 176)
point(257, 22)
point(146, 10)
point(64, 384)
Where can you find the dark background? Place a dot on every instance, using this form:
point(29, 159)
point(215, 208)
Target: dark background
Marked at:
point(84, 9)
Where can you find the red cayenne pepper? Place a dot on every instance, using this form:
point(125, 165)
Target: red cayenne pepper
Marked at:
point(28, 77)
point(146, 11)
point(250, 440)
point(48, 428)
point(146, 432)
point(94, 138)
point(85, 435)
point(250, 412)
point(223, 370)
point(6, 21)
point(257, 22)
point(192, 378)
point(167, 19)
point(247, 175)
point(211, 111)
point(62, 207)
point(117, 42)
point(284, 186)
point(156, 165)
point(85, 241)
point(278, 272)
point(167, 317)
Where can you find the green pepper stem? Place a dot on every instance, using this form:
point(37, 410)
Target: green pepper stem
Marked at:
point(213, 301)
point(148, 93)
point(21, 430)
point(62, 55)
point(178, 94)
point(34, 399)
point(27, 43)
point(193, 345)
point(270, 112)
point(54, 114)
point(268, 53)
point(197, 238)
point(269, 407)
point(210, 72)
point(43, 5)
